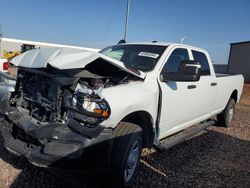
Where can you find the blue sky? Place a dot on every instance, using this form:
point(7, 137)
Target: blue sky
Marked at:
point(210, 24)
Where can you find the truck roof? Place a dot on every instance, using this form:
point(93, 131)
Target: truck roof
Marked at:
point(156, 43)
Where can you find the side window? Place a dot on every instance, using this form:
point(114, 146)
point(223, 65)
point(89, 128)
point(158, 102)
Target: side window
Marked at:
point(175, 59)
point(202, 59)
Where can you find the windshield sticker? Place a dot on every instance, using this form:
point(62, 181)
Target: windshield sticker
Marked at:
point(148, 54)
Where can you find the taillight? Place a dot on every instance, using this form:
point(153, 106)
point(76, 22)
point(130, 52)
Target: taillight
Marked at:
point(6, 66)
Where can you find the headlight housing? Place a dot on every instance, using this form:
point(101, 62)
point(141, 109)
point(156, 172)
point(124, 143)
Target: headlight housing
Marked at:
point(86, 106)
point(91, 105)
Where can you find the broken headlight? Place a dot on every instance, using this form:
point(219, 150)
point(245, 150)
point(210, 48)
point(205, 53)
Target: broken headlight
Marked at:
point(86, 106)
point(91, 105)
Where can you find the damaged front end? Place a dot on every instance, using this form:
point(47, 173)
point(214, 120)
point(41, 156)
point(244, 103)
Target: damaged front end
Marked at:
point(44, 97)
point(57, 115)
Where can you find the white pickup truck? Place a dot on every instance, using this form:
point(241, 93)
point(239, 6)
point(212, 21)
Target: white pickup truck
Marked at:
point(83, 110)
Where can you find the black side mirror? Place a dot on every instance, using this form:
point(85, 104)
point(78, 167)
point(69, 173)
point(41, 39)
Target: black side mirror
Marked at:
point(189, 71)
point(122, 41)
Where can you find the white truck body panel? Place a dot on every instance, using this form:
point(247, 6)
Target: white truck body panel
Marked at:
point(133, 97)
point(225, 85)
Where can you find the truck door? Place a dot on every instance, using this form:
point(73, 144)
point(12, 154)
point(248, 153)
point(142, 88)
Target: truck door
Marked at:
point(207, 82)
point(183, 103)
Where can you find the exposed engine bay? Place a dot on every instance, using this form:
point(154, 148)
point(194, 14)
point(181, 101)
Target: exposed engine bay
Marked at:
point(50, 95)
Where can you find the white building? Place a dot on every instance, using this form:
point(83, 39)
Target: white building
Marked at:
point(239, 59)
point(16, 45)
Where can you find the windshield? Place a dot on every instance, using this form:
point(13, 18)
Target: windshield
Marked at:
point(140, 57)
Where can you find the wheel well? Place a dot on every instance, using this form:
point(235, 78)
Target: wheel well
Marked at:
point(144, 120)
point(234, 95)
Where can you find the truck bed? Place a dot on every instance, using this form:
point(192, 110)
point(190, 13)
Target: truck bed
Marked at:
point(224, 75)
point(226, 85)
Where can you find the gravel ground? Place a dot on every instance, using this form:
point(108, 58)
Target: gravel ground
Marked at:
point(216, 157)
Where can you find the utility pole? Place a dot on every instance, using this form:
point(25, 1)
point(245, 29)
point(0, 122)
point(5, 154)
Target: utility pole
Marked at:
point(1, 35)
point(126, 23)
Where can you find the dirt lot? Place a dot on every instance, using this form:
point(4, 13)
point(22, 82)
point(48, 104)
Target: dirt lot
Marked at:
point(217, 157)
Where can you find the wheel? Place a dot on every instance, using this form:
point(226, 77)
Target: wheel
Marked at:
point(226, 116)
point(125, 154)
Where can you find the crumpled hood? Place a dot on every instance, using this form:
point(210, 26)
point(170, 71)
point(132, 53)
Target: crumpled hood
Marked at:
point(61, 58)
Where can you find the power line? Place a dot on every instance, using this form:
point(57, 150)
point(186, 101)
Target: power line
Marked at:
point(1, 35)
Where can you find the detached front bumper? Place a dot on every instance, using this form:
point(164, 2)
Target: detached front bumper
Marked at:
point(56, 145)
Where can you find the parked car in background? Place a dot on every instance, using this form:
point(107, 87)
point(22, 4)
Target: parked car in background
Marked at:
point(86, 110)
point(4, 65)
point(7, 85)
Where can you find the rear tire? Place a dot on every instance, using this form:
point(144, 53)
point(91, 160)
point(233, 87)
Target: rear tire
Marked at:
point(126, 154)
point(226, 116)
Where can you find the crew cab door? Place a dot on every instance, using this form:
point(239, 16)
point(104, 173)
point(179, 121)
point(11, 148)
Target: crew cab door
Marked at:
point(184, 103)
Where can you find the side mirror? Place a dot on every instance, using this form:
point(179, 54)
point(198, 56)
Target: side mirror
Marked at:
point(189, 71)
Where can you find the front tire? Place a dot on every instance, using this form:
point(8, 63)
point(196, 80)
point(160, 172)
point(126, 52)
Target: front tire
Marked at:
point(126, 154)
point(226, 116)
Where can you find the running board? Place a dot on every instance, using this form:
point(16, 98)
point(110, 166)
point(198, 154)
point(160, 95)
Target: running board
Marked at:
point(177, 138)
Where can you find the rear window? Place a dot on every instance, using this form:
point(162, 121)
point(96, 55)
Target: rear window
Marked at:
point(202, 59)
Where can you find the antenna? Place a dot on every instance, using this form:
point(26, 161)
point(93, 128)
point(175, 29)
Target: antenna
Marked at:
point(182, 39)
point(1, 33)
point(126, 23)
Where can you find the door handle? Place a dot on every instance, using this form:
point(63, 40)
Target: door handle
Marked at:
point(214, 84)
point(191, 86)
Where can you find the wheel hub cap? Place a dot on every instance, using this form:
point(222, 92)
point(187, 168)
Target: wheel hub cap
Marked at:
point(131, 161)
